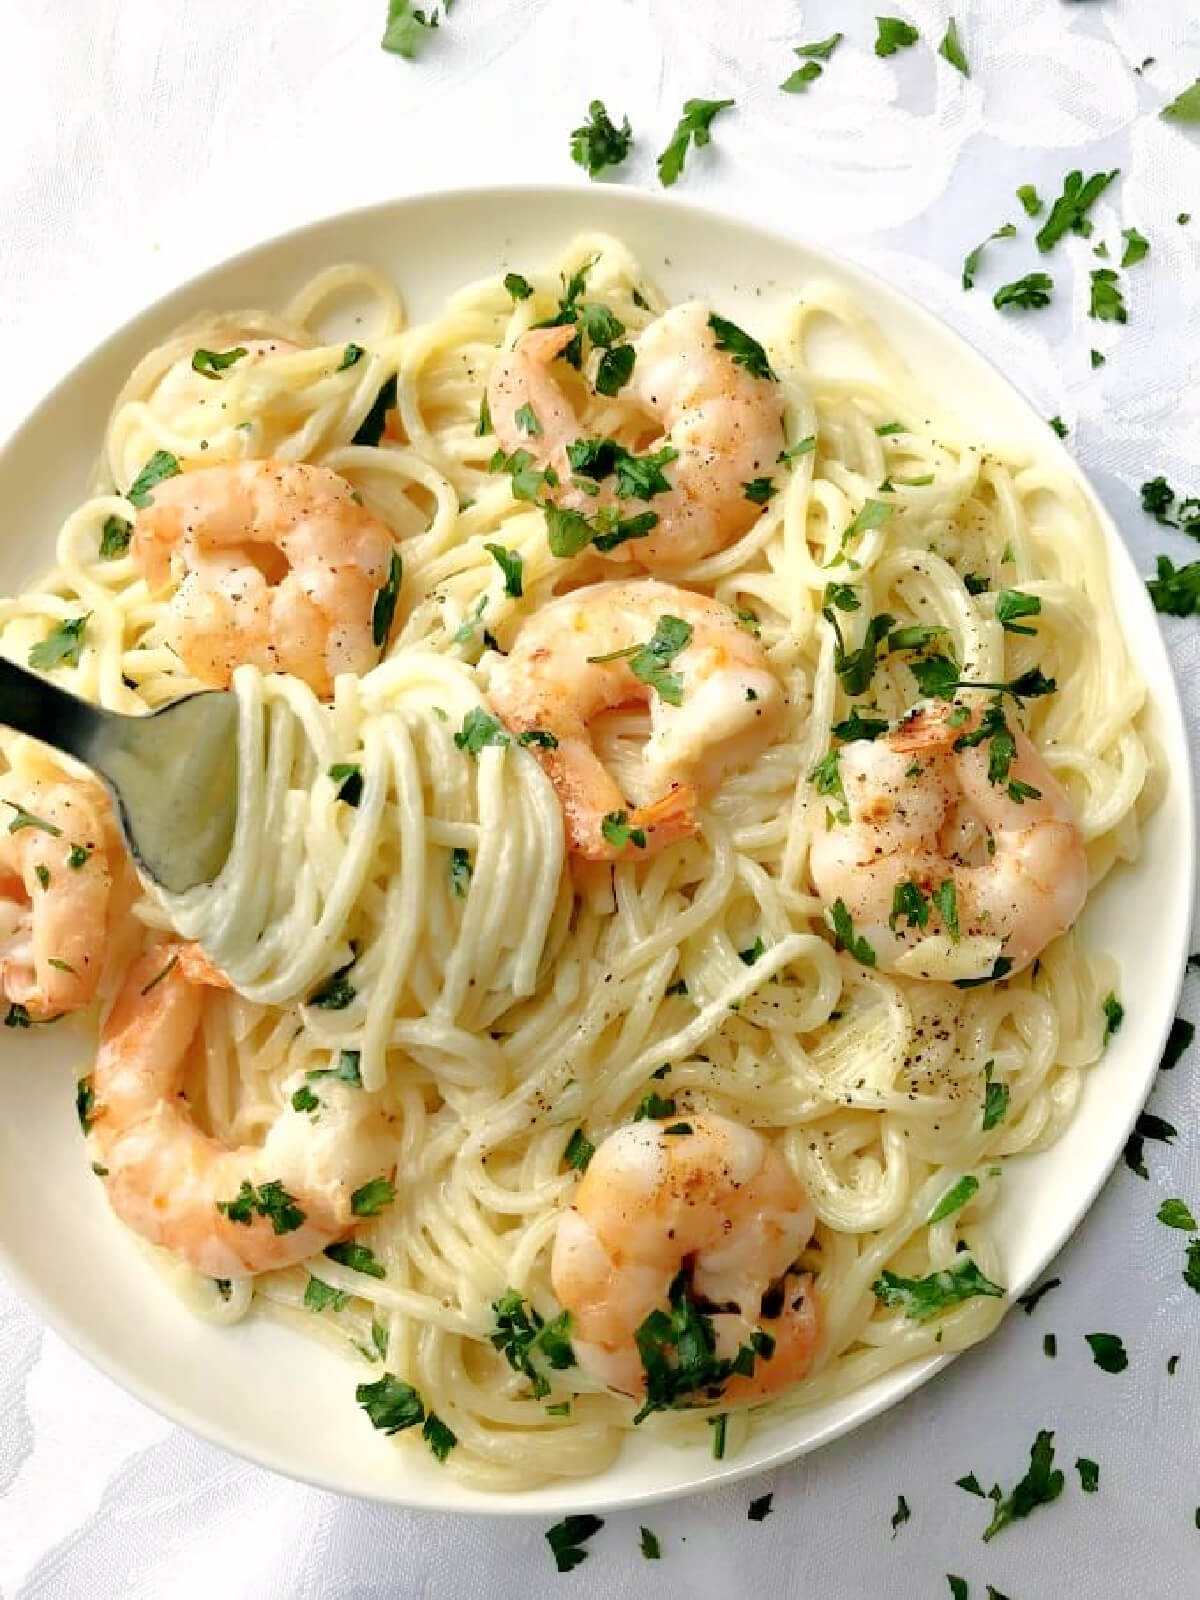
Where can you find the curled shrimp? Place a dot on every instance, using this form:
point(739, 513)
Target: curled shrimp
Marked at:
point(717, 1199)
point(943, 833)
point(282, 568)
point(725, 425)
point(714, 703)
point(228, 1213)
point(56, 885)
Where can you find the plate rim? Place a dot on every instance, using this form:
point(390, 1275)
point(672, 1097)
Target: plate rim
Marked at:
point(570, 1494)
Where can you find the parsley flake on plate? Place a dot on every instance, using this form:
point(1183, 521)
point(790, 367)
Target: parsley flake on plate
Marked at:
point(693, 128)
point(952, 51)
point(373, 1197)
point(1137, 247)
point(1028, 1301)
point(1069, 213)
point(270, 1200)
point(1174, 590)
point(370, 429)
point(114, 538)
point(566, 1539)
point(1175, 1214)
point(1040, 1486)
point(320, 1296)
point(1108, 1352)
point(1191, 1272)
point(901, 1514)
point(358, 1257)
point(845, 937)
point(1029, 293)
point(1030, 199)
point(1185, 107)
point(1180, 1036)
point(894, 34)
point(616, 829)
point(598, 143)
point(391, 1404)
point(649, 1545)
point(758, 1510)
point(1107, 303)
point(975, 256)
point(479, 730)
point(406, 29)
point(161, 465)
point(510, 564)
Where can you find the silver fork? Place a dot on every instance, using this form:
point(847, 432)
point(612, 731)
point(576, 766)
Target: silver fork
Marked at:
point(172, 775)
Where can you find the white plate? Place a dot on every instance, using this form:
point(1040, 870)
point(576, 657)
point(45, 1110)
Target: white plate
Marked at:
point(267, 1393)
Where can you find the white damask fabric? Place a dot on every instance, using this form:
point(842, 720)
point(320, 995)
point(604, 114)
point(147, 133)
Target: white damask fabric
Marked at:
point(142, 141)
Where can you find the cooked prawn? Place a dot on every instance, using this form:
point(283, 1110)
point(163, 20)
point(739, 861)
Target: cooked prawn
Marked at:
point(180, 1188)
point(701, 1193)
point(55, 889)
point(714, 703)
point(924, 814)
point(282, 568)
point(725, 425)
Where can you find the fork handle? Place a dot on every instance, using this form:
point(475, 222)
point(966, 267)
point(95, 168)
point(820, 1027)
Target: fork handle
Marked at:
point(35, 706)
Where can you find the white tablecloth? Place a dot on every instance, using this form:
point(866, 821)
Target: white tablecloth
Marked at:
point(141, 141)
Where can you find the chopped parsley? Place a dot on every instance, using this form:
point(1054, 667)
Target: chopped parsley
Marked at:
point(407, 29)
point(1089, 1475)
point(1097, 359)
point(970, 264)
point(1175, 1214)
point(901, 1514)
point(161, 465)
point(1040, 1486)
point(17, 1016)
point(43, 875)
point(678, 1351)
point(1011, 605)
point(759, 490)
point(1050, 1345)
point(952, 51)
point(440, 1438)
point(351, 356)
point(346, 1071)
point(1181, 1034)
point(753, 952)
point(856, 727)
point(385, 602)
point(995, 1099)
point(856, 668)
point(320, 1296)
point(845, 937)
point(894, 34)
point(212, 363)
point(479, 730)
point(460, 872)
point(62, 647)
point(527, 421)
point(566, 1539)
point(649, 1545)
point(305, 1100)
point(1114, 1015)
point(85, 1101)
point(1030, 199)
point(373, 1197)
point(1137, 247)
point(510, 564)
point(349, 779)
point(760, 1509)
point(1028, 1302)
point(744, 350)
point(27, 819)
point(114, 538)
point(954, 1199)
point(802, 447)
point(811, 57)
point(1185, 107)
point(653, 1107)
point(336, 993)
point(1175, 591)
point(521, 1335)
point(1069, 213)
point(391, 1404)
point(924, 1298)
point(945, 898)
point(1108, 1352)
point(615, 369)
point(539, 737)
point(908, 902)
point(826, 779)
point(971, 1484)
point(650, 662)
point(598, 143)
point(616, 829)
point(798, 81)
point(270, 1200)
point(693, 128)
point(1107, 304)
point(1191, 1272)
point(1029, 293)
point(1147, 1126)
point(370, 429)
point(579, 1151)
point(358, 1257)
point(718, 1425)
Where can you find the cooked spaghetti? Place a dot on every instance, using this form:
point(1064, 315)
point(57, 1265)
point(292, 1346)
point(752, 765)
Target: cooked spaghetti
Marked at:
point(441, 970)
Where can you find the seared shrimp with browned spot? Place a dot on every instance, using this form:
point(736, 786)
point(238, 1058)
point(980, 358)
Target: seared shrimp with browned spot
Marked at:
point(280, 565)
point(714, 703)
point(229, 1213)
point(719, 422)
point(709, 1199)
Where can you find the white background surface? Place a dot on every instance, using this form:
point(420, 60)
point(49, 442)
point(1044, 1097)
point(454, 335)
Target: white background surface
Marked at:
point(140, 142)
